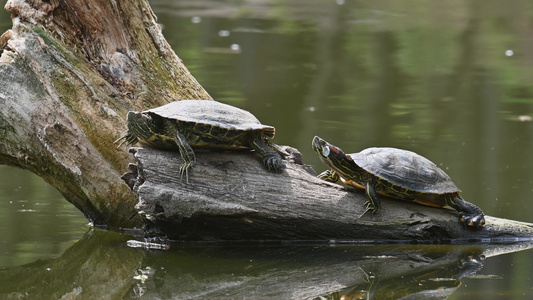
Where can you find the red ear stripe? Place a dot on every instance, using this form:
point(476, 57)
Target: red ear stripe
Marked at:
point(333, 149)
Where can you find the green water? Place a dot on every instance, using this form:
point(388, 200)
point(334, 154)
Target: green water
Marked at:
point(35, 220)
point(450, 80)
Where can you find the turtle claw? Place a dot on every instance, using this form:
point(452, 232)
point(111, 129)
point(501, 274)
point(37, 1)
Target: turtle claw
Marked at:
point(361, 215)
point(127, 138)
point(369, 206)
point(473, 220)
point(184, 170)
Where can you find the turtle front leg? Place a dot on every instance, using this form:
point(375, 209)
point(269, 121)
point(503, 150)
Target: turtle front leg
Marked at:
point(469, 214)
point(271, 158)
point(128, 138)
point(374, 203)
point(329, 175)
point(187, 154)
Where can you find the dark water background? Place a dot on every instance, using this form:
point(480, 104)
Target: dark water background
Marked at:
point(450, 80)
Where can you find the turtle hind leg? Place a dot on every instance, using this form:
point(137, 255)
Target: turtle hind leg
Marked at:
point(187, 154)
point(271, 158)
point(469, 214)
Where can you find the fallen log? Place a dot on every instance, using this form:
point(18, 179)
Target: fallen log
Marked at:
point(230, 196)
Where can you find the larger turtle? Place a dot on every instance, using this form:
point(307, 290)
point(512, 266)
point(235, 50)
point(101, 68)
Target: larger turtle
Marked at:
point(187, 124)
point(398, 174)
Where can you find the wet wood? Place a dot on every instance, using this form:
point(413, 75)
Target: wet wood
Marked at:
point(70, 72)
point(230, 196)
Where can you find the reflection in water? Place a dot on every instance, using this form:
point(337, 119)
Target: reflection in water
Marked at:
point(100, 265)
point(433, 283)
point(35, 220)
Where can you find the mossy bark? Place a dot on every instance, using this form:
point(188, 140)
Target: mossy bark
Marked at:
point(70, 72)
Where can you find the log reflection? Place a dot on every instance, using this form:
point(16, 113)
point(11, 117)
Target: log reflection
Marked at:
point(102, 266)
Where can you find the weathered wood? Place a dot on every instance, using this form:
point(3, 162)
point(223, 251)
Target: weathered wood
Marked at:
point(70, 72)
point(230, 196)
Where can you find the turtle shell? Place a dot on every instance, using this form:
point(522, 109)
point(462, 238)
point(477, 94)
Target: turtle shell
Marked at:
point(212, 113)
point(405, 169)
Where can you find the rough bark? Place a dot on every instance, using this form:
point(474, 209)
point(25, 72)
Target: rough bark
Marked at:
point(230, 196)
point(70, 72)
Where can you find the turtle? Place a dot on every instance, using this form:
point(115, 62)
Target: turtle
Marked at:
point(186, 124)
point(395, 173)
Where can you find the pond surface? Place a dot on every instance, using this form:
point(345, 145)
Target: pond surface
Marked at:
point(449, 80)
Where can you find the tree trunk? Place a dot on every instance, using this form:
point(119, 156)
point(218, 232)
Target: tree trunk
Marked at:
point(230, 196)
point(71, 70)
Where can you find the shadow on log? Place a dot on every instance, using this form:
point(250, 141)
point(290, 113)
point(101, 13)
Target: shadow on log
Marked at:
point(230, 196)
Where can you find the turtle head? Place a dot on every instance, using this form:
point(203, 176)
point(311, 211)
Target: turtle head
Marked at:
point(331, 155)
point(141, 125)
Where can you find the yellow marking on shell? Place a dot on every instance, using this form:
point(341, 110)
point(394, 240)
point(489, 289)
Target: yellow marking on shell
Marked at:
point(430, 204)
point(431, 200)
point(206, 145)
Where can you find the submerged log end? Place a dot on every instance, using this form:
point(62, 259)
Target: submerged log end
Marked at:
point(231, 196)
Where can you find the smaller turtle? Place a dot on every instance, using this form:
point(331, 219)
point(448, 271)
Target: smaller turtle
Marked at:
point(398, 174)
point(186, 124)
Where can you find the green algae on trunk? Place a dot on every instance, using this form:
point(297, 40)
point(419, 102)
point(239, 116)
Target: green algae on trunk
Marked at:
point(70, 75)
